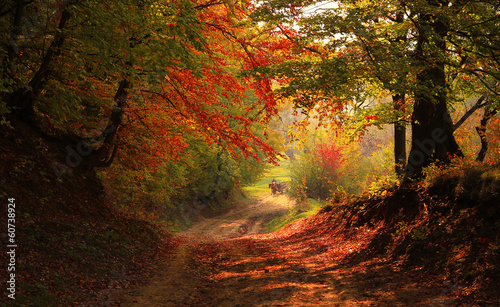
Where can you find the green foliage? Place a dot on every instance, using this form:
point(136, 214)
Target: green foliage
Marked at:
point(379, 115)
point(317, 173)
point(381, 176)
point(261, 186)
point(190, 122)
point(306, 181)
point(383, 49)
point(383, 184)
point(364, 166)
point(178, 192)
point(4, 110)
point(100, 41)
point(420, 233)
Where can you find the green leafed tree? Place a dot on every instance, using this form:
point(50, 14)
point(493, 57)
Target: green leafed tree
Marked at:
point(413, 52)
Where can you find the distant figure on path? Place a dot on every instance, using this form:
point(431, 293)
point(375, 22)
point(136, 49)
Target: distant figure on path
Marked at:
point(273, 186)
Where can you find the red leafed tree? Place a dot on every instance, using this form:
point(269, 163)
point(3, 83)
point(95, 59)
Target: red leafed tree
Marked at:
point(150, 72)
point(329, 157)
point(213, 101)
point(318, 173)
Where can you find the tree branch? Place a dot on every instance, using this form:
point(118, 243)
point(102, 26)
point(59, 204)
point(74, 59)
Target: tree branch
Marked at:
point(481, 130)
point(206, 5)
point(479, 104)
point(22, 100)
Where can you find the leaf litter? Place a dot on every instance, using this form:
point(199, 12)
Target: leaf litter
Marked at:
point(307, 263)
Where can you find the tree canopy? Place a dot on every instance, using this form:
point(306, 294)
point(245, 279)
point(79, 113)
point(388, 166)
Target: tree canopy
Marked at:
point(424, 54)
point(140, 76)
point(147, 81)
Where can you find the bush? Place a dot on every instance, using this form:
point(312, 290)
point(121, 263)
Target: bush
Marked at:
point(316, 174)
point(464, 180)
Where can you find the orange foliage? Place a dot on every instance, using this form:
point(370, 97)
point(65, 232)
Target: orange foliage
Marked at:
point(213, 103)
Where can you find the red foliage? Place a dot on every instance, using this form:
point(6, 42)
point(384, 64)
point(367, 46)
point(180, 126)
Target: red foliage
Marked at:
point(371, 117)
point(329, 156)
point(212, 103)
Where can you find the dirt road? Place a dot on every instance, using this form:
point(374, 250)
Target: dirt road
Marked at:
point(241, 220)
point(229, 261)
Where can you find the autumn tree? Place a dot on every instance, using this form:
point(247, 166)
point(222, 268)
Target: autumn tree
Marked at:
point(136, 75)
point(412, 51)
point(317, 172)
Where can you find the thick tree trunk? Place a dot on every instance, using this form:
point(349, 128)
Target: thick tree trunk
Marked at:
point(22, 101)
point(432, 128)
point(432, 134)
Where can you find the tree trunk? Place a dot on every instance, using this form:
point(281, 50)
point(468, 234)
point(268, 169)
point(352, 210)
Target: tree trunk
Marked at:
point(104, 156)
point(432, 135)
point(399, 125)
point(12, 45)
point(432, 128)
point(399, 138)
point(22, 101)
point(481, 130)
point(82, 156)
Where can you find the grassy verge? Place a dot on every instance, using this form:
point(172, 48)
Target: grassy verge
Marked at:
point(294, 213)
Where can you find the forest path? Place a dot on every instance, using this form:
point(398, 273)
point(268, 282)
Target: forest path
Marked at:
point(229, 261)
point(244, 219)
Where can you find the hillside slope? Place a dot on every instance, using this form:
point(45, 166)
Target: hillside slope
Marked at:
point(70, 243)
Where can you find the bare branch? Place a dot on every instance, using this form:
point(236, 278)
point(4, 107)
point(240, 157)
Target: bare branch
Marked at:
point(479, 104)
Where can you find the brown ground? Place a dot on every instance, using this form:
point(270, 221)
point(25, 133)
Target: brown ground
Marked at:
point(230, 261)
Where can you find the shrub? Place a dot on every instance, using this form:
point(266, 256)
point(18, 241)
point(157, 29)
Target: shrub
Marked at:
point(316, 174)
point(464, 180)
